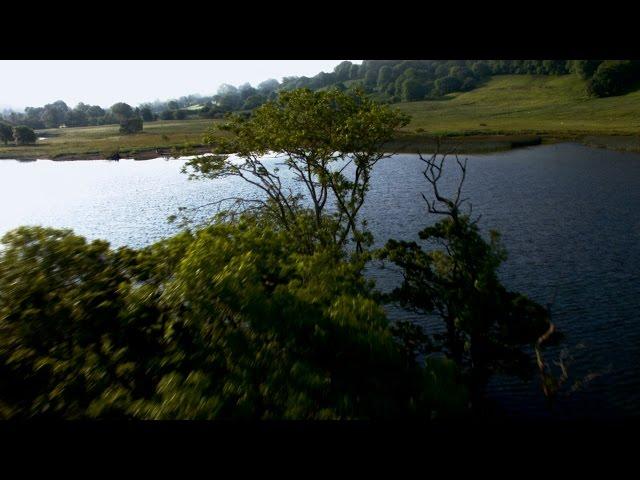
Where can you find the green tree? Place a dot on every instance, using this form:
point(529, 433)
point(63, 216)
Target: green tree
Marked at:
point(146, 113)
point(555, 67)
point(614, 77)
point(354, 71)
point(384, 76)
point(342, 71)
point(59, 302)
point(460, 72)
point(76, 118)
point(412, 90)
point(268, 86)
point(585, 68)
point(254, 101)
point(447, 84)
point(23, 135)
point(95, 111)
point(122, 111)
point(318, 135)
point(245, 91)
point(33, 118)
point(228, 98)
point(481, 69)
point(442, 70)
point(370, 78)
point(53, 114)
point(82, 107)
point(6, 133)
point(131, 125)
point(468, 83)
point(456, 279)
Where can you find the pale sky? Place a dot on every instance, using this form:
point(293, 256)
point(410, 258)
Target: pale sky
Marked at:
point(34, 83)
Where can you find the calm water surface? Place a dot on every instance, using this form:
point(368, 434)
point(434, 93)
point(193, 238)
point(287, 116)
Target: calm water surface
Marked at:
point(569, 217)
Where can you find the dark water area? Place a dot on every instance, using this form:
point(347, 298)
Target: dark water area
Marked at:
point(569, 218)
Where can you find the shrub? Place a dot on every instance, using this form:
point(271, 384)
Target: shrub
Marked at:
point(412, 90)
point(6, 133)
point(447, 84)
point(468, 83)
point(131, 125)
point(24, 135)
point(585, 68)
point(614, 78)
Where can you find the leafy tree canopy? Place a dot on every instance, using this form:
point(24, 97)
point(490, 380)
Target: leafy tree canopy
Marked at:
point(122, 111)
point(315, 134)
point(23, 135)
point(262, 330)
point(131, 125)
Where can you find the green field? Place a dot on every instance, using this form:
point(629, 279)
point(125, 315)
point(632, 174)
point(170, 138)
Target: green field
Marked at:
point(526, 104)
point(103, 141)
point(508, 111)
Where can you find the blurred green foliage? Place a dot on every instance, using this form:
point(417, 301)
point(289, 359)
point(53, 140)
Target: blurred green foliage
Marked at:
point(231, 321)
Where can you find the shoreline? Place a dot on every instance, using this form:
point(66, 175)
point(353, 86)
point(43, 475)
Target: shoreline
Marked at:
point(407, 143)
point(142, 154)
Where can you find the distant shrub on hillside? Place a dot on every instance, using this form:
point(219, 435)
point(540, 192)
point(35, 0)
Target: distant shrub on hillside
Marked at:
point(23, 135)
point(131, 125)
point(448, 84)
point(167, 115)
point(147, 114)
point(585, 68)
point(412, 89)
point(6, 133)
point(614, 78)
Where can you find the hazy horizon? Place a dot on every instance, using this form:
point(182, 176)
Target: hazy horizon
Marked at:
point(34, 83)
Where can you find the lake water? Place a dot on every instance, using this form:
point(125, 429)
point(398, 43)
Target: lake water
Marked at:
point(569, 217)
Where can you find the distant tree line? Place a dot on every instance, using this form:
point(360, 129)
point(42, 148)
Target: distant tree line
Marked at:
point(57, 114)
point(242, 98)
point(411, 80)
point(392, 81)
point(387, 81)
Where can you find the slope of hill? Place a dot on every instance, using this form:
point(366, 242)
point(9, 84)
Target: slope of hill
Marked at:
point(554, 106)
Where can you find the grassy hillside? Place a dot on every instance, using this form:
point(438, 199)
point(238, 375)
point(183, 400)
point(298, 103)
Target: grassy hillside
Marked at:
point(507, 111)
point(528, 104)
